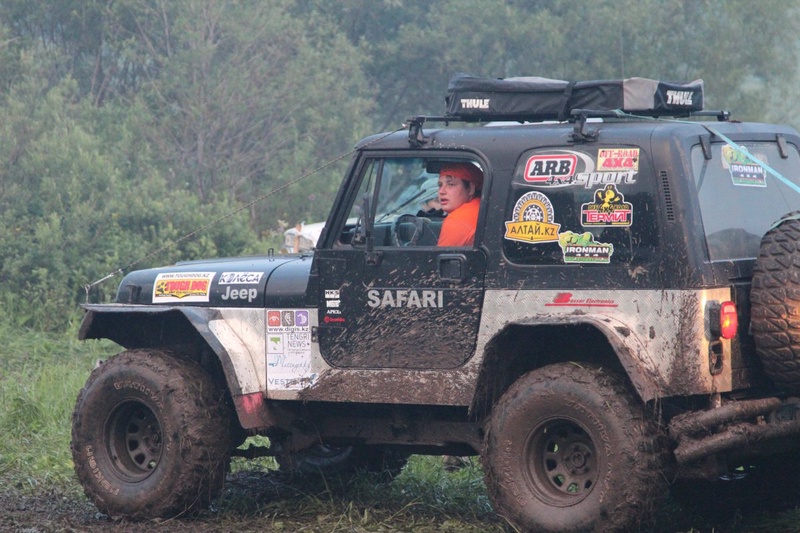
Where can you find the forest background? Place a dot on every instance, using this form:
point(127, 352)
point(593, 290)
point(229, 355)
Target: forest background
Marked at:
point(127, 124)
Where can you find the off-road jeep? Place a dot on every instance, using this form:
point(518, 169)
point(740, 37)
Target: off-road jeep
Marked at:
point(627, 316)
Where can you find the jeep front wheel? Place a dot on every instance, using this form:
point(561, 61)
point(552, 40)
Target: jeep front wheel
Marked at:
point(566, 450)
point(149, 436)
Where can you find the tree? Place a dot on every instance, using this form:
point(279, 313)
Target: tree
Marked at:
point(746, 52)
point(82, 197)
point(247, 96)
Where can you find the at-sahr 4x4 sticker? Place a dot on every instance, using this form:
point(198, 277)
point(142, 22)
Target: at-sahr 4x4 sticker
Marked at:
point(609, 208)
point(532, 220)
point(618, 159)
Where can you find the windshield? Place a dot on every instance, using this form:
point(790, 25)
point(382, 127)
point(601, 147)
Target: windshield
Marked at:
point(740, 200)
point(406, 187)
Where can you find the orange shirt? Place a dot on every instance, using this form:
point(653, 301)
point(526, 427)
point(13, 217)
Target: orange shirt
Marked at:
point(458, 228)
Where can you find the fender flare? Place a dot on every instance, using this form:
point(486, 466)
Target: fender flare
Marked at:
point(631, 353)
point(131, 327)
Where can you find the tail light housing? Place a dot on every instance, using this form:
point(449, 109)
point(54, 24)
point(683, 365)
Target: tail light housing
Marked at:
point(728, 320)
point(723, 320)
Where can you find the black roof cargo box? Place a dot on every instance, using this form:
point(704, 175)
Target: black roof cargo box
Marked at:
point(536, 99)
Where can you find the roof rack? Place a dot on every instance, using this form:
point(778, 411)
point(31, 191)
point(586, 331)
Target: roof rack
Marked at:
point(579, 117)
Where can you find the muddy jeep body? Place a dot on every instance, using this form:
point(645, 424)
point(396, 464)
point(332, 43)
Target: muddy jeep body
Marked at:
point(605, 255)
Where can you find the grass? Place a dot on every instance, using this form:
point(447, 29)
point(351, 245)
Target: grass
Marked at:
point(422, 498)
point(41, 374)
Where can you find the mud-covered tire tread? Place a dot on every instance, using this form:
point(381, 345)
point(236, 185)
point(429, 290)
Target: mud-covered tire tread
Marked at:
point(638, 484)
point(200, 436)
point(775, 301)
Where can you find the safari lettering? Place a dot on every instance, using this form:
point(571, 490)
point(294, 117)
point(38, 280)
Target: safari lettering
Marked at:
point(405, 298)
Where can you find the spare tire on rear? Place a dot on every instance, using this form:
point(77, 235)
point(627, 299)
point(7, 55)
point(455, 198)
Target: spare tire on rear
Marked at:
point(775, 303)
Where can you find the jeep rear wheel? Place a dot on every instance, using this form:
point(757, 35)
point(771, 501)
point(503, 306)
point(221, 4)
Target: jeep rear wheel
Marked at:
point(565, 451)
point(150, 436)
point(775, 299)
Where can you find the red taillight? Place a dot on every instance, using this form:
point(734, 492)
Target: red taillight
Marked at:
point(728, 320)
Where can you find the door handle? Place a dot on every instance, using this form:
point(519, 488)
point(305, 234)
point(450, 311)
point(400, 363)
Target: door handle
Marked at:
point(452, 267)
point(373, 258)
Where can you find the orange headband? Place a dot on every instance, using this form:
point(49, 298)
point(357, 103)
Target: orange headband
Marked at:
point(464, 171)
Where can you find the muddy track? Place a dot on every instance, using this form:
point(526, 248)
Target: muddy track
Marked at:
point(251, 501)
point(242, 507)
point(258, 501)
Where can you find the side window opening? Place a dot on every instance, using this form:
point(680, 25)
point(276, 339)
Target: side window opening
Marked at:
point(404, 194)
point(571, 207)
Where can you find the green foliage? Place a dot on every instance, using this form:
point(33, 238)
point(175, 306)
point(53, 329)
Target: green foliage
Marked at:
point(78, 206)
point(271, 96)
point(450, 492)
point(40, 376)
point(745, 51)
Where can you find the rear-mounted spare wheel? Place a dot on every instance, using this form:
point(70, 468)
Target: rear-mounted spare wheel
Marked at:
point(775, 303)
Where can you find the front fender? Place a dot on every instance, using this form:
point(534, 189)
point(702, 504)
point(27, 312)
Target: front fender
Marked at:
point(235, 335)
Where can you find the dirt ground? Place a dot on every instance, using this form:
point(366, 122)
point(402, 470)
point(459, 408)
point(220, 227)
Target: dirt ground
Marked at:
point(251, 501)
point(267, 501)
point(54, 511)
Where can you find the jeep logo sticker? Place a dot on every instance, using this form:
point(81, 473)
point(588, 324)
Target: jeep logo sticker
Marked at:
point(532, 220)
point(565, 299)
point(240, 294)
point(609, 208)
point(333, 304)
point(559, 168)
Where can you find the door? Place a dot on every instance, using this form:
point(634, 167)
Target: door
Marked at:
point(389, 296)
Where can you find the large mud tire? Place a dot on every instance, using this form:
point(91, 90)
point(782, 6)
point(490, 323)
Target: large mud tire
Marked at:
point(775, 303)
point(568, 449)
point(150, 436)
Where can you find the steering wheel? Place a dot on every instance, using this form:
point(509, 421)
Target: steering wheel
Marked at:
point(416, 226)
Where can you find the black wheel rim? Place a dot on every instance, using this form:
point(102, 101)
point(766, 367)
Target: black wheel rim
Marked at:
point(562, 462)
point(134, 441)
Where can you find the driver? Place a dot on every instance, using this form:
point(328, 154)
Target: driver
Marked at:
point(460, 187)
